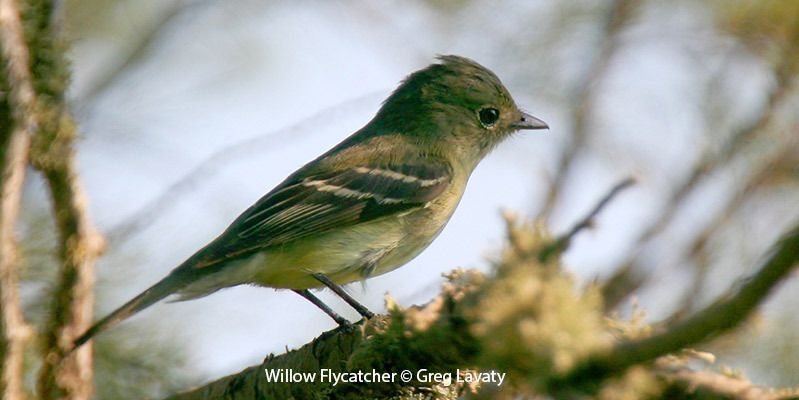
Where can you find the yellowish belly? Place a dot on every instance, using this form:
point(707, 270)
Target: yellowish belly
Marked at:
point(358, 252)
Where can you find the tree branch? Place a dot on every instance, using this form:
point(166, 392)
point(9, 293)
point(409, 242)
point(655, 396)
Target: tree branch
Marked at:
point(562, 242)
point(684, 383)
point(381, 344)
point(17, 124)
point(79, 244)
point(618, 16)
point(706, 324)
point(629, 276)
point(527, 320)
point(779, 166)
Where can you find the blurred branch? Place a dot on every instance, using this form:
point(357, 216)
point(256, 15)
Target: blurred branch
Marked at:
point(72, 304)
point(619, 15)
point(562, 242)
point(79, 244)
point(629, 276)
point(212, 164)
point(143, 44)
point(684, 383)
point(706, 324)
point(770, 170)
point(16, 127)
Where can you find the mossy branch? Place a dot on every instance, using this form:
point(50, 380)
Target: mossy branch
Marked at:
point(17, 125)
point(52, 154)
point(527, 321)
point(720, 316)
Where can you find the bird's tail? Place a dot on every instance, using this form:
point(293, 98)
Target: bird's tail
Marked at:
point(162, 289)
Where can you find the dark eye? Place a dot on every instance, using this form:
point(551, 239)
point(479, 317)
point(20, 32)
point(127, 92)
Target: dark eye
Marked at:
point(488, 116)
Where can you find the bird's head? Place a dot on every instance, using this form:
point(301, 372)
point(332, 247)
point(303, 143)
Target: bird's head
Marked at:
point(456, 102)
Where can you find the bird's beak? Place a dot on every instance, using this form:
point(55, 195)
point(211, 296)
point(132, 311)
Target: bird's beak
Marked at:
point(527, 121)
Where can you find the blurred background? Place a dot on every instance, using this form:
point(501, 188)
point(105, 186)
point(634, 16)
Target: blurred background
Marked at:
point(191, 110)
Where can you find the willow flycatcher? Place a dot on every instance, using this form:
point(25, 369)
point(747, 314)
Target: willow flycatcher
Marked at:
point(367, 206)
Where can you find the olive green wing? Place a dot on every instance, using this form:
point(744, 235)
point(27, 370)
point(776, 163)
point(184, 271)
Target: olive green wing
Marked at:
point(319, 202)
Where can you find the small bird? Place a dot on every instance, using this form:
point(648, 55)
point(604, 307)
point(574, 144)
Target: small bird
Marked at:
point(367, 206)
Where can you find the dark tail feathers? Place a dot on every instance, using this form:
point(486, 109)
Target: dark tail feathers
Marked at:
point(162, 289)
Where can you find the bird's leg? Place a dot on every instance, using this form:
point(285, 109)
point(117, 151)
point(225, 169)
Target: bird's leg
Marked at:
point(344, 295)
point(315, 300)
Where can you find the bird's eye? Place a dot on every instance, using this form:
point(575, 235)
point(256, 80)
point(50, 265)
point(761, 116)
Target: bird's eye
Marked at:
point(488, 116)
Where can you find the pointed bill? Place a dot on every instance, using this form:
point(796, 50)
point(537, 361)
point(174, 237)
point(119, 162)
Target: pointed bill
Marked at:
point(527, 121)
